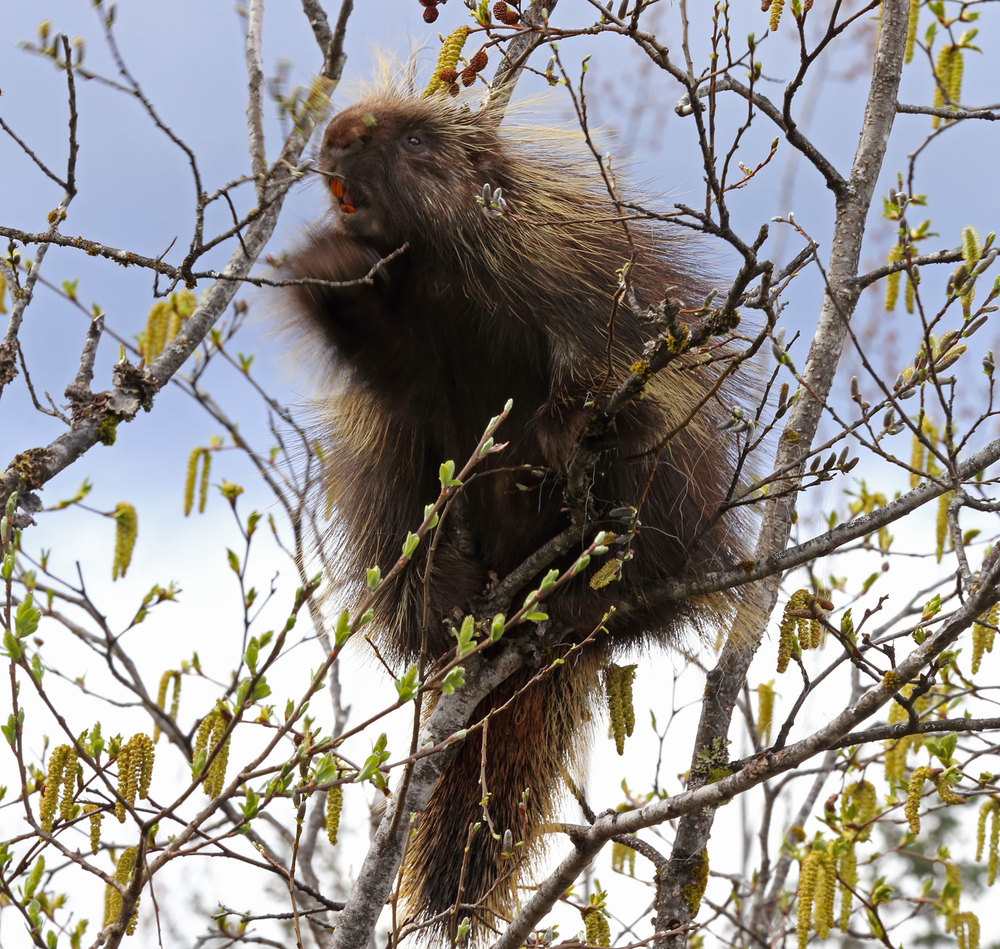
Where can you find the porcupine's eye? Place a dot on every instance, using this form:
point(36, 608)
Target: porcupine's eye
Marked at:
point(413, 142)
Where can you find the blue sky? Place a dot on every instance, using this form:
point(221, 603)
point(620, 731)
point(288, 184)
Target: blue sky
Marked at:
point(135, 192)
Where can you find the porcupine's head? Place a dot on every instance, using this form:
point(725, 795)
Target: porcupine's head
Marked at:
point(402, 168)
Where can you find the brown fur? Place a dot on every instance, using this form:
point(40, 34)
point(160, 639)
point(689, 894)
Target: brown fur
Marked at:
point(477, 310)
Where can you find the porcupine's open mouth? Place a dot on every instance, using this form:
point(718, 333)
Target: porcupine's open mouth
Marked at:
point(348, 200)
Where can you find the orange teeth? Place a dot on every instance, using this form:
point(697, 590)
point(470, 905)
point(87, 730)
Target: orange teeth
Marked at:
point(338, 191)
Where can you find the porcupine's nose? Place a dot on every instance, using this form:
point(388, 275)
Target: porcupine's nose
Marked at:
point(344, 139)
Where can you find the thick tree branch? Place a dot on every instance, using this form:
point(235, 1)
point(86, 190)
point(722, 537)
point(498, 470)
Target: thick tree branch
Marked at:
point(726, 680)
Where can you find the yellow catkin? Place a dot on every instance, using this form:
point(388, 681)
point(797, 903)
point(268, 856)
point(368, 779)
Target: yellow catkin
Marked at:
point(765, 711)
point(174, 676)
point(927, 439)
point(204, 730)
point(965, 926)
point(70, 769)
point(787, 645)
point(113, 897)
point(94, 814)
point(126, 530)
point(164, 323)
point(910, 294)
point(815, 633)
point(914, 791)
point(953, 877)
point(53, 786)
point(861, 794)
point(918, 456)
point(204, 456)
point(334, 805)
point(597, 927)
point(206, 467)
point(628, 706)
point(894, 761)
point(941, 532)
point(216, 776)
point(173, 325)
point(954, 86)
point(190, 477)
point(776, 7)
point(809, 874)
point(451, 49)
point(826, 890)
point(154, 336)
point(622, 858)
point(135, 771)
point(990, 807)
point(618, 689)
point(945, 791)
point(126, 782)
point(848, 872)
point(795, 632)
point(949, 59)
point(892, 280)
point(991, 867)
point(143, 756)
point(809, 629)
point(911, 30)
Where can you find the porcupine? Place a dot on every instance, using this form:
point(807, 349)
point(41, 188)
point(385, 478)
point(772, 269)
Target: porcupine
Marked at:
point(473, 305)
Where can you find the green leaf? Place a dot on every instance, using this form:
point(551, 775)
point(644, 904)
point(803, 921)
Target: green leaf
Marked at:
point(12, 646)
point(13, 724)
point(410, 544)
point(455, 679)
point(251, 804)
point(26, 619)
point(447, 475)
point(234, 561)
point(465, 636)
point(407, 686)
point(34, 878)
point(943, 748)
point(343, 630)
point(373, 577)
point(379, 754)
point(261, 690)
point(496, 627)
point(325, 769)
point(250, 656)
